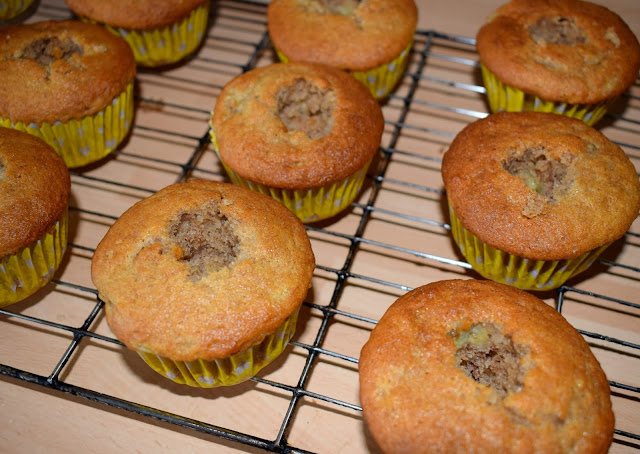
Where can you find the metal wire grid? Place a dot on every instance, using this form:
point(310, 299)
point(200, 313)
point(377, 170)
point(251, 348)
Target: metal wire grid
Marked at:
point(441, 83)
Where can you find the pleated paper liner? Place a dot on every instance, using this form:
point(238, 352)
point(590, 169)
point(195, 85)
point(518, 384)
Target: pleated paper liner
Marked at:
point(503, 97)
point(10, 9)
point(89, 139)
point(500, 266)
point(225, 371)
point(381, 79)
point(165, 45)
point(33, 266)
point(309, 205)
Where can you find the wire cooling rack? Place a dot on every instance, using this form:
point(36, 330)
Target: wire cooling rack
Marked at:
point(393, 238)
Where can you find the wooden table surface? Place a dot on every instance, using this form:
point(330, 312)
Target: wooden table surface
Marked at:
point(394, 238)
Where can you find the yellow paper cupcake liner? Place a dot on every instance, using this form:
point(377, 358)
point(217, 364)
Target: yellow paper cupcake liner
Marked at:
point(89, 139)
point(309, 205)
point(164, 45)
point(29, 269)
point(380, 80)
point(226, 371)
point(503, 97)
point(12, 8)
point(500, 266)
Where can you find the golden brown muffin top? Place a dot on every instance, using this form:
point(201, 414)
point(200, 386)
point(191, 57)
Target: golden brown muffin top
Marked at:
point(560, 50)
point(135, 14)
point(296, 125)
point(34, 189)
point(202, 270)
point(477, 366)
point(56, 71)
point(347, 34)
point(540, 186)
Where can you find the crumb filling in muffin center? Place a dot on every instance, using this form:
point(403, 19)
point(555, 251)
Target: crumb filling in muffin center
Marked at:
point(47, 50)
point(489, 357)
point(548, 177)
point(305, 107)
point(556, 30)
point(342, 7)
point(206, 239)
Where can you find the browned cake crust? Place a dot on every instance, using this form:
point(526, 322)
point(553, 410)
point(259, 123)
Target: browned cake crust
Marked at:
point(477, 366)
point(343, 122)
point(135, 14)
point(34, 189)
point(202, 270)
point(370, 33)
point(560, 50)
point(56, 71)
point(540, 186)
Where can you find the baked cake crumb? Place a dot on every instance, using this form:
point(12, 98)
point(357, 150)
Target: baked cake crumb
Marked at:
point(307, 108)
point(206, 239)
point(491, 358)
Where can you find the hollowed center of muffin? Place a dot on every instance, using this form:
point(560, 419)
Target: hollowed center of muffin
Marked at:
point(491, 358)
point(305, 107)
point(556, 30)
point(47, 50)
point(548, 177)
point(207, 240)
point(343, 7)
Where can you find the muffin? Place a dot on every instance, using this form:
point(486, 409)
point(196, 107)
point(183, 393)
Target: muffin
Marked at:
point(68, 83)
point(160, 32)
point(477, 366)
point(11, 9)
point(302, 133)
point(204, 280)
point(34, 196)
point(568, 57)
point(371, 39)
point(535, 197)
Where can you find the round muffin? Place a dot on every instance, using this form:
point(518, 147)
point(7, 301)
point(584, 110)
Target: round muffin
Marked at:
point(535, 197)
point(303, 133)
point(204, 280)
point(11, 9)
point(370, 38)
point(68, 83)
point(477, 366)
point(160, 32)
point(569, 57)
point(34, 196)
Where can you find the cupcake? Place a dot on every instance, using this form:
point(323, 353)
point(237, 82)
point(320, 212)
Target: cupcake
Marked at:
point(160, 32)
point(68, 83)
point(34, 196)
point(371, 39)
point(477, 366)
point(204, 280)
point(11, 9)
point(304, 134)
point(535, 197)
point(567, 57)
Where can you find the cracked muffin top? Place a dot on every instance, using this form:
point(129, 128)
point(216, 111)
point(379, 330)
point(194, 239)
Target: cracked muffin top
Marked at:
point(296, 125)
point(61, 70)
point(540, 186)
point(202, 270)
point(34, 189)
point(347, 34)
point(135, 14)
point(560, 50)
point(477, 366)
